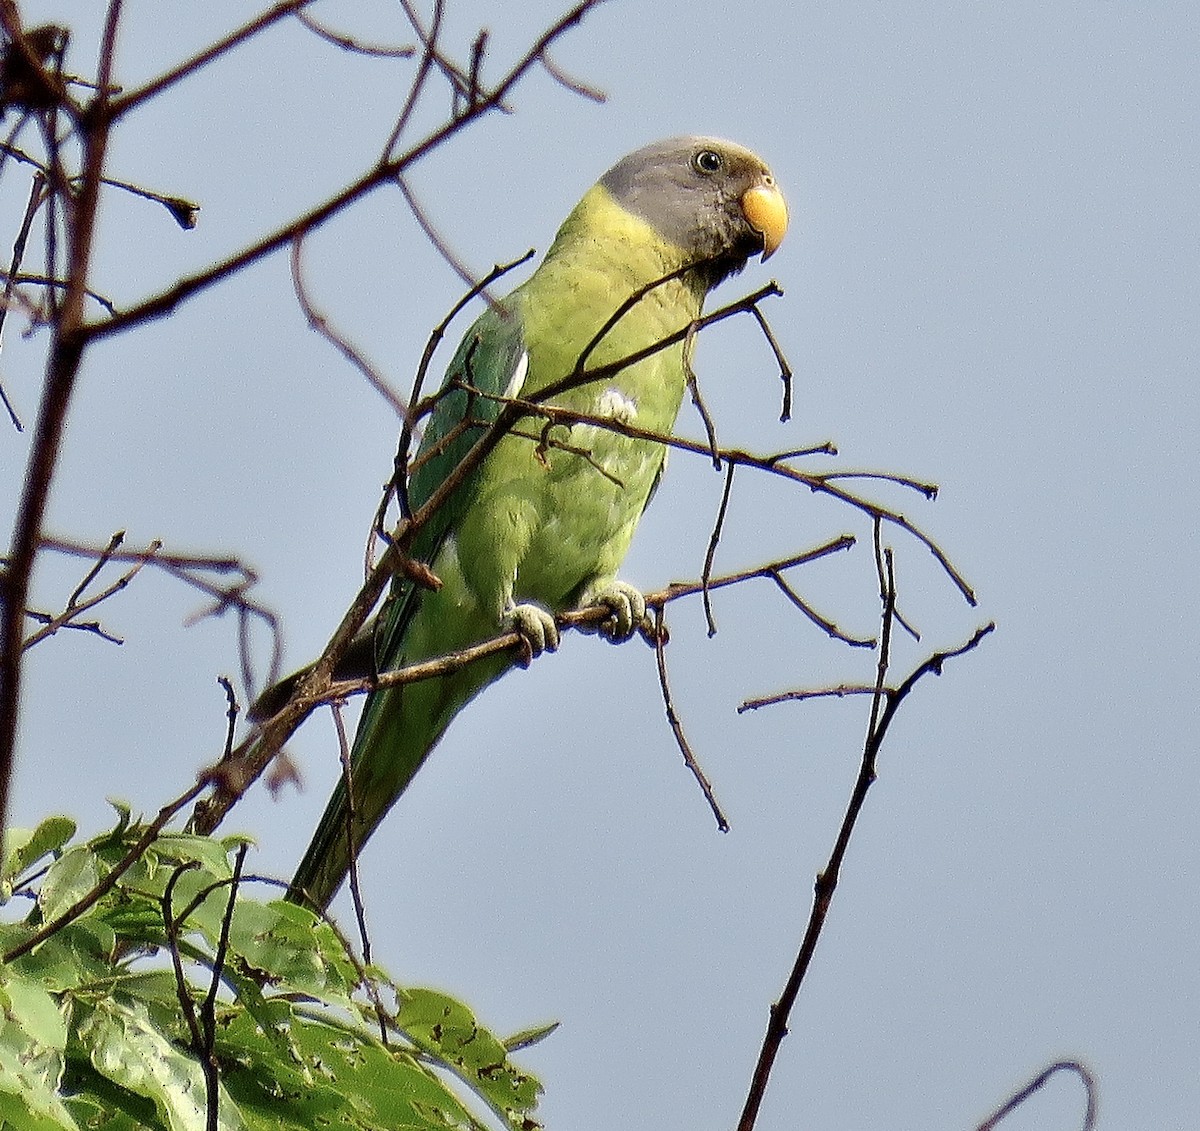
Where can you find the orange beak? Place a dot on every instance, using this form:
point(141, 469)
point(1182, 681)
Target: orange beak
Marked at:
point(766, 212)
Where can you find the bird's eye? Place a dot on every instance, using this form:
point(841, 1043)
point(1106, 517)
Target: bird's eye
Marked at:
point(708, 161)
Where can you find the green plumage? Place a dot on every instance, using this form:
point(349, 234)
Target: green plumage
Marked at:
point(531, 525)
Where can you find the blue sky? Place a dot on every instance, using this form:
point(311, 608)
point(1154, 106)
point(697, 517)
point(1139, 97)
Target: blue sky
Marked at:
point(991, 282)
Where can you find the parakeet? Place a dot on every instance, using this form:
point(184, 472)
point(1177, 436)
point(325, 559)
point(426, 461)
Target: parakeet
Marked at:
point(541, 527)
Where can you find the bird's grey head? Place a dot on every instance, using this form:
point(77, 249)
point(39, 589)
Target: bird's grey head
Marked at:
point(716, 200)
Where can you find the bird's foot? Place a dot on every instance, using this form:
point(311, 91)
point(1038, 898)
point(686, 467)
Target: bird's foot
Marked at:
point(628, 605)
point(536, 626)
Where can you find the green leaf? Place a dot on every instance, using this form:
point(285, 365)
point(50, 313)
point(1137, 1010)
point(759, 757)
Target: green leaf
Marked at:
point(31, 1107)
point(127, 1048)
point(528, 1037)
point(93, 1036)
point(25, 847)
point(211, 854)
point(70, 878)
point(124, 819)
point(293, 950)
point(32, 1010)
point(377, 1087)
point(29, 1070)
point(99, 1105)
point(447, 1029)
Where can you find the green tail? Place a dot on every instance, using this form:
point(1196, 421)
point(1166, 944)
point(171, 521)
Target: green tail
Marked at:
point(399, 728)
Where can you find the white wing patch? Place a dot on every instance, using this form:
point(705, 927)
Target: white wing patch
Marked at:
point(517, 381)
point(615, 405)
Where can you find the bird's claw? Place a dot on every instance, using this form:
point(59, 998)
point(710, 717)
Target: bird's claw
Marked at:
point(537, 628)
point(628, 605)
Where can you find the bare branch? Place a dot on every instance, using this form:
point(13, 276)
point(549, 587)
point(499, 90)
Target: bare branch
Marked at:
point(693, 387)
point(383, 172)
point(775, 464)
point(399, 482)
point(192, 570)
point(66, 353)
point(36, 314)
point(824, 623)
point(454, 75)
point(588, 617)
point(885, 703)
point(429, 54)
point(36, 196)
point(231, 712)
point(795, 696)
point(183, 212)
point(234, 775)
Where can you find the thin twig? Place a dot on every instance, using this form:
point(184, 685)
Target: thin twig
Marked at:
point(478, 51)
point(399, 482)
point(685, 748)
point(36, 196)
point(350, 43)
point(428, 55)
point(231, 713)
point(1037, 1083)
point(184, 212)
point(92, 627)
point(77, 604)
point(798, 695)
point(15, 300)
point(37, 189)
point(822, 622)
point(360, 913)
point(214, 51)
point(208, 1011)
point(440, 244)
point(321, 324)
point(693, 387)
point(571, 83)
point(785, 370)
point(190, 569)
point(453, 74)
point(713, 539)
point(171, 925)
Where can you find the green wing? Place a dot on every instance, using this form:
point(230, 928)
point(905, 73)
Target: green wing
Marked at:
point(391, 743)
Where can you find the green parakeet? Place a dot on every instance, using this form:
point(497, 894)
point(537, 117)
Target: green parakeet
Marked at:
point(537, 529)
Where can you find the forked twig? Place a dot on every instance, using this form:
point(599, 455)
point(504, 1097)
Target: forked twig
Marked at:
point(885, 703)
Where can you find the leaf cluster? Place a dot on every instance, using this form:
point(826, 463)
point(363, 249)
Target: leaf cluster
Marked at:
point(176, 1001)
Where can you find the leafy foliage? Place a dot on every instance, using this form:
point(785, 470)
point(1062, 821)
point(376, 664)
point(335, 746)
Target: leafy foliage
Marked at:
point(176, 1002)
